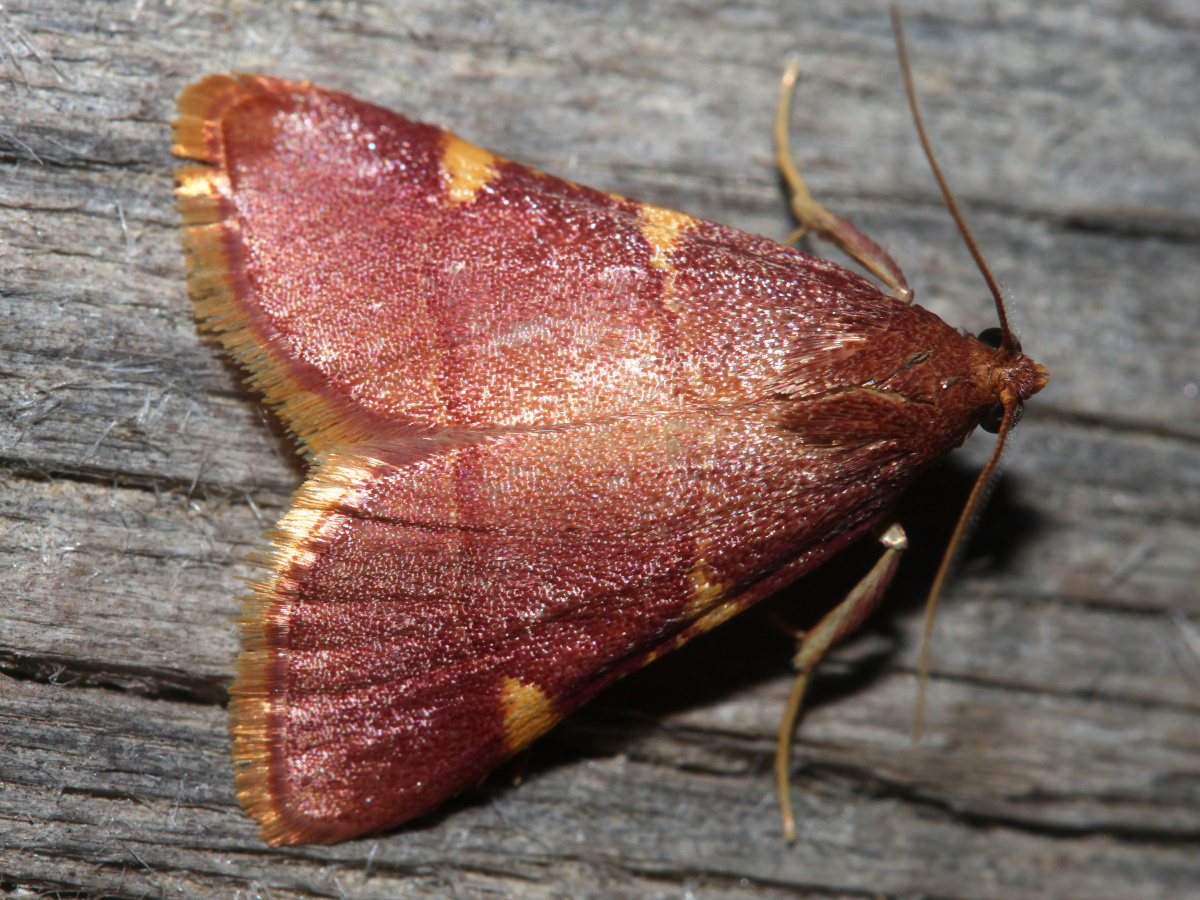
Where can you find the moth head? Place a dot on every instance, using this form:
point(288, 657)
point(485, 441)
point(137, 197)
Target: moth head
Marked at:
point(1012, 377)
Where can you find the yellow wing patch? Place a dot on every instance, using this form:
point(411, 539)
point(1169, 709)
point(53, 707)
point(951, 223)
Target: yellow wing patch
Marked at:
point(662, 228)
point(706, 588)
point(466, 169)
point(705, 603)
point(528, 713)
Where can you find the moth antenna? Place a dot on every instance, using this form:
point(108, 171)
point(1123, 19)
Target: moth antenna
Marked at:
point(966, 520)
point(1009, 342)
point(1012, 409)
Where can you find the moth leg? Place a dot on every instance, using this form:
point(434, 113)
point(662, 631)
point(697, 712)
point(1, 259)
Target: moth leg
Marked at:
point(814, 216)
point(794, 237)
point(837, 624)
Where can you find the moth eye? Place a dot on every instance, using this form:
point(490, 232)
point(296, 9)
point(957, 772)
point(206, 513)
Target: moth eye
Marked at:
point(992, 338)
point(992, 418)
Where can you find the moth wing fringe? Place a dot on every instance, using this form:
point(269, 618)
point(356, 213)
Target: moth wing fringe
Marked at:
point(256, 706)
point(202, 196)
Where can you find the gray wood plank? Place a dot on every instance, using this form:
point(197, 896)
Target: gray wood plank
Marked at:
point(1061, 754)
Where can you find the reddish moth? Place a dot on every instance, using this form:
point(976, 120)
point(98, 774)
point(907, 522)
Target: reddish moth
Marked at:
point(553, 433)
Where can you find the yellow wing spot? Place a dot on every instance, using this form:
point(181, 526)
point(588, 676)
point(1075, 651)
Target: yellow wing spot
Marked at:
point(528, 713)
point(466, 168)
point(716, 616)
point(662, 228)
point(706, 588)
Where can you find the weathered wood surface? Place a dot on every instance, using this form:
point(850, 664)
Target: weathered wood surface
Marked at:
point(1062, 749)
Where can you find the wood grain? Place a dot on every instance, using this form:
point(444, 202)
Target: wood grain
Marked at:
point(1061, 755)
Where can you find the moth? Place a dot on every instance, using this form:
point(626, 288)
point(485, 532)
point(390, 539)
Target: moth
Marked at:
point(553, 433)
